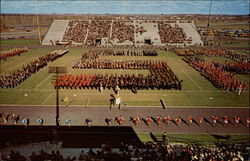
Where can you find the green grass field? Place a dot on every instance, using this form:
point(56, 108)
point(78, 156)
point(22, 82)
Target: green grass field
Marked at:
point(197, 91)
point(18, 42)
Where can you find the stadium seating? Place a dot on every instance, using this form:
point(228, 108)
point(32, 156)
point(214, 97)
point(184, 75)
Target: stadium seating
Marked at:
point(118, 32)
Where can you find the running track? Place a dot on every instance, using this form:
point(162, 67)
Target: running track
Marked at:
point(98, 114)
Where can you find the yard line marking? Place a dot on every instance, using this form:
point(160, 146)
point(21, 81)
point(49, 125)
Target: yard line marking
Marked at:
point(47, 98)
point(187, 75)
point(42, 81)
point(189, 102)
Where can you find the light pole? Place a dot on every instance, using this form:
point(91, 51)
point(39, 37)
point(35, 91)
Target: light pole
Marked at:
point(57, 70)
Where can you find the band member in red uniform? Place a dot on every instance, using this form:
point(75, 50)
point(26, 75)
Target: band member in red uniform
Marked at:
point(237, 120)
point(178, 121)
point(226, 120)
point(148, 120)
point(168, 119)
point(201, 120)
point(120, 120)
point(190, 119)
point(215, 119)
point(159, 120)
point(136, 120)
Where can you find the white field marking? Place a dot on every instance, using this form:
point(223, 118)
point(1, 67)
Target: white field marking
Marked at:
point(10, 69)
point(45, 78)
point(45, 100)
point(188, 76)
point(27, 90)
point(186, 98)
point(42, 81)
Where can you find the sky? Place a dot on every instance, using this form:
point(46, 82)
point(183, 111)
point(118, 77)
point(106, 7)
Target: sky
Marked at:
point(229, 7)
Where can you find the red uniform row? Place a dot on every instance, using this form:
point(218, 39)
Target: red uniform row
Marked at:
point(12, 52)
point(217, 75)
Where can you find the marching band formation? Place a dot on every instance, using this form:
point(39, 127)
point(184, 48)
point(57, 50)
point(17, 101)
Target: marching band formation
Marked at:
point(17, 77)
point(220, 52)
point(160, 77)
point(12, 52)
point(221, 74)
point(217, 75)
point(214, 120)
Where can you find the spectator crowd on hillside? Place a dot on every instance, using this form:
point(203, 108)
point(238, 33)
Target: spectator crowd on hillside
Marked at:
point(17, 77)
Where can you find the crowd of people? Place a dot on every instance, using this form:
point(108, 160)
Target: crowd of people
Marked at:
point(12, 52)
point(237, 67)
point(139, 29)
point(217, 75)
point(98, 30)
point(96, 53)
point(122, 31)
point(17, 77)
point(5, 117)
point(150, 152)
point(117, 64)
point(171, 35)
point(76, 31)
point(212, 52)
point(128, 52)
point(158, 78)
point(80, 30)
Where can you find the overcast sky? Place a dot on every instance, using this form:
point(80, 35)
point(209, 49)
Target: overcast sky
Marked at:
point(236, 7)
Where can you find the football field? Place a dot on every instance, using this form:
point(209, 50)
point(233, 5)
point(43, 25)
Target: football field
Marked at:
point(39, 90)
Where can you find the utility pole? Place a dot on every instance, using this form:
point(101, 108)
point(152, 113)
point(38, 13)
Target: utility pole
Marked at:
point(57, 70)
point(38, 27)
point(57, 99)
point(208, 19)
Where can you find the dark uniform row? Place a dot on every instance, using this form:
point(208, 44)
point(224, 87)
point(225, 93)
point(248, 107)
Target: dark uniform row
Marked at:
point(17, 77)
